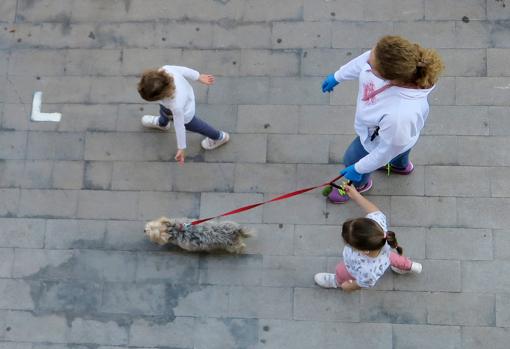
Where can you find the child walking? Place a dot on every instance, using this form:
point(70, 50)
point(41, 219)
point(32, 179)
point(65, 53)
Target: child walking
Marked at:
point(395, 78)
point(368, 250)
point(168, 86)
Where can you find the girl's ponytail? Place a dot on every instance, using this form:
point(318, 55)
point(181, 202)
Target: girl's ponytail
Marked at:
point(428, 67)
point(391, 239)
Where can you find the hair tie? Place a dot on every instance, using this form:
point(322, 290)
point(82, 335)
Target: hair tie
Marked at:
point(385, 235)
point(421, 64)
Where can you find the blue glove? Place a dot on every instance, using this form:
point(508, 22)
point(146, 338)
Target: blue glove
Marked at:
point(351, 174)
point(329, 83)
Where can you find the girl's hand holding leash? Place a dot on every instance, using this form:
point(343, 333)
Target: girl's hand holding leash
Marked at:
point(206, 79)
point(179, 157)
point(364, 203)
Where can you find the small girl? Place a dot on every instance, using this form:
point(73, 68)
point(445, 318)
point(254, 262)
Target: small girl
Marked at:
point(368, 250)
point(168, 86)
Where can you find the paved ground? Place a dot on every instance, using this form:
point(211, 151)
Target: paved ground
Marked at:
point(75, 269)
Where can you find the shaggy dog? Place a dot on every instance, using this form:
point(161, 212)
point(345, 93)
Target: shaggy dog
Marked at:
point(226, 236)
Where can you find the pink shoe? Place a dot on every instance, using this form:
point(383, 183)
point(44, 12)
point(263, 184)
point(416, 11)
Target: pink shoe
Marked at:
point(401, 171)
point(336, 198)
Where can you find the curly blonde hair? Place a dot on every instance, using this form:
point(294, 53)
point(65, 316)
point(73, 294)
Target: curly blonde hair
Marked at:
point(155, 85)
point(403, 61)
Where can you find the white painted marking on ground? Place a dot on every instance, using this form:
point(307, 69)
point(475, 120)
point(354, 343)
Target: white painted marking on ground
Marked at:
point(37, 115)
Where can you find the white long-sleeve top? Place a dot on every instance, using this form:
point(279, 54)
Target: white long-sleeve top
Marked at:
point(182, 104)
point(400, 113)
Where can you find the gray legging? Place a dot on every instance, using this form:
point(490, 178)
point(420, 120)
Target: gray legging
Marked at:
point(195, 125)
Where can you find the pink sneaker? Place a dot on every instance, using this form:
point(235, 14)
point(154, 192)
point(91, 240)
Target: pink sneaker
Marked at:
point(336, 198)
point(401, 171)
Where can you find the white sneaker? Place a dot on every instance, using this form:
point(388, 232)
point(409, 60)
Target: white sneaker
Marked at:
point(210, 144)
point(152, 121)
point(326, 280)
point(416, 268)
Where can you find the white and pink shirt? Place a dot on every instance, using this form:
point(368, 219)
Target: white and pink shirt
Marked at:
point(400, 113)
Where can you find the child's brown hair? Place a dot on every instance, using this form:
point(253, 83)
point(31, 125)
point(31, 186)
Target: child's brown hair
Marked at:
point(364, 234)
point(400, 60)
point(156, 85)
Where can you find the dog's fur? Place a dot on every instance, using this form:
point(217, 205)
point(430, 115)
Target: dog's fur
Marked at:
point(228, 236)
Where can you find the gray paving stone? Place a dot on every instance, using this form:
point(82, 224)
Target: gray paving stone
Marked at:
point(264, 178)
point(326, 305)
point(242, 36)
point(450, 9)
point(58, 146)
point(9, 206)
point(71, 234)
point(326, 120)
point(499, 123)
point(127, 235)
point(15, 117)
point(422, 336)
point(491, 209)
point(301, 34)
point(461, 309)
point(96, 204)
point(402, 10)
point(295, 334)
point(483, 151)
point(199, 301)
point(24, 233)
point(87, 117)
point(338, 215)
point(225, 333)
point(458, 120)
point(497, 65)
point(267, 119)
point(475, 34)
point(28, 262)
point(97, 175)
point(13, 345)
point(30, 62)
point(393, 307)
point(309, 175)
point(256, 10)
point(437, 275)
point(67, 174)
point(234, 270)
point(202, 177)
point(445, 92)
point(344, 94)
point(268, 63)
point(154, 204)
point(16, 294)
point(424, 211)
point(436, 181)
point(37, 174)
point(464, 62)
point(270, 239)
point(292, 271)
point(436, 34)
point(114, 90)
point(50, 328)
point(260, 302)
point(291, 90)
point(316, 240)
point(6, 262)
point(223, 117)
point(413, 185)
point(142, 176)
point(482, 91)
point(172, 267)
point(127, 298)
point(176, 333)
point(358, 34)
point(75, 297)
point(8, 10)
point(12, 173)
point(13, 144)
point(470, 244)
point(503, 310)
point(213, 204)
point(492, 337)
point(97, 332)
point(482, 276)
point(135, 60)
point(501, 244)
point(412, 240)
point(245, 90)
point(285, 149)
point(497, 10)
point(48, 203)
point(95, 62)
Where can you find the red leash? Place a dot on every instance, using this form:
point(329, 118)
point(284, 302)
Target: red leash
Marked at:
point(281, 197)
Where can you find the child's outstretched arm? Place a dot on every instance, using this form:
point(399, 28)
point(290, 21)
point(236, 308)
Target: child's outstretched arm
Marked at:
point(362, 202)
